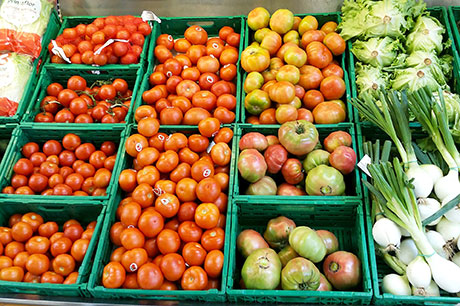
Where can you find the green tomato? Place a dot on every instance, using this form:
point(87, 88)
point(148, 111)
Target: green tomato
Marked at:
point(298, 137)
point(262, 270)
point(257, 101)
point(277, 232)
point(264, 186)
point(300, 274)
point(287, 254)
point(324, 180)
point(307, 243)
point(316, 158)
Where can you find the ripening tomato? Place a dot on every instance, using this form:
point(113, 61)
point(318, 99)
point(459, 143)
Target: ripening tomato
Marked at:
point(113, 275)
point(318, 55)
point(172, 266)
point(207, 215)
point(151, 223)
point(181, 45)
point(214, 263)
point(194, 278)
point(213, 239)
point(196, 35)
point(168, 241)
point(149, 277)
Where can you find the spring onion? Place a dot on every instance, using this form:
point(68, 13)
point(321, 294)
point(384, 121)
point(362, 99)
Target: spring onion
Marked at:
point(398, 202)
point(395, 284)
point(433, 118)
point(438, 243)
point(392, 119)
point(387, 234)
point(419, 273)
point(431, 290)
point(427, 207)
point(449, 230)
point(407, 251)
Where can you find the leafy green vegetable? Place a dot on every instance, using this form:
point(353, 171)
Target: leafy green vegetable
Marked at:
point(441, 68)
point(452, 102)
point(426, 35)
point(413, 79)
point(386, 18)
point(378, 52)
point(15, 70)
point(370, 79)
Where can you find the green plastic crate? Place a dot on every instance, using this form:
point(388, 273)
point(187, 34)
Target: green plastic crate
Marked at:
point(353, 186)
point(176, 27)
point(40, 134)
point(454, 18)
point(322, 19)
point(133, 77)
point(441, 14)
point(105, 249)
point(73, 21)
point(59, 213)
point(6, 134)
point(51, 32)
point(348, 226)
point(378, 267)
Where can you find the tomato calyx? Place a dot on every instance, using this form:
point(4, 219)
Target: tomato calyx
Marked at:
point(263, 262)
point(299, 129)
point(334, 267)
point(325, 190)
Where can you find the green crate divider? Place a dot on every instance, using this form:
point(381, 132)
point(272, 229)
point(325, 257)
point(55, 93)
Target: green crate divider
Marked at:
point(438, 12)
point(454, 18)
point(352, 181)
point(28, 132)
point(59, 213)
point(378, 267)
point(104, 250)
point(322, 18)
point(132, 76)
point(73, 21)
point(6, 137)
point(176, 27)
point(51, 32)
point(349, 229)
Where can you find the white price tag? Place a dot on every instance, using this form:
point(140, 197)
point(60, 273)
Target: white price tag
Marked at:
point(107, 43)
point(149, 15)
point(362, 164)
point(211, 144)
point(59, 52)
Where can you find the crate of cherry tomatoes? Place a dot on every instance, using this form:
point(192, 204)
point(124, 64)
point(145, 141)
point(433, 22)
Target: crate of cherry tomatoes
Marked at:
point(168, 227)
point(295, 68)
point(48, 249)
point(100, 41)
point(194, 70)
point(61, 166)
point(84, 96)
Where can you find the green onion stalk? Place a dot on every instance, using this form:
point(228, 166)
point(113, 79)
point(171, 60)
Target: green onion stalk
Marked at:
point(392, 118)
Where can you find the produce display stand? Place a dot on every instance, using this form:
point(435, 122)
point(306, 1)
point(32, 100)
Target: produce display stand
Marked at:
point(347, 216)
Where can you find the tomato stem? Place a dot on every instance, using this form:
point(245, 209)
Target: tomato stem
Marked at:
point(333, 266)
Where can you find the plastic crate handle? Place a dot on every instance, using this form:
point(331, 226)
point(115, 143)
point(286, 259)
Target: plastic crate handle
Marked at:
point(203, 24)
